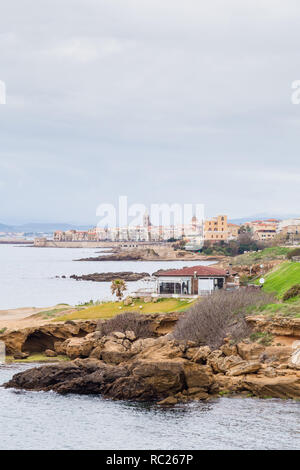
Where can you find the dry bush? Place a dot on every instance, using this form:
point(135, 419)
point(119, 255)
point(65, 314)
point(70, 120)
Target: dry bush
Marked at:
point(220, 315)
point(127, 321)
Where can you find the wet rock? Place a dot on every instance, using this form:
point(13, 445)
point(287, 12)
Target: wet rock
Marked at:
point(168, 401)
point(21, 355)
point(278, 387)
point(50, 353)
point(127, 276)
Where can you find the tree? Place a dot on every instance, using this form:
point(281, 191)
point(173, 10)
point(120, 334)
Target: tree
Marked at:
point(118, 287)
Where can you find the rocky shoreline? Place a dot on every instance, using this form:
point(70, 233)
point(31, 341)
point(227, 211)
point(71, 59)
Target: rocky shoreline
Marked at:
point(152, 255)
point(127, 276)
point(159, 368)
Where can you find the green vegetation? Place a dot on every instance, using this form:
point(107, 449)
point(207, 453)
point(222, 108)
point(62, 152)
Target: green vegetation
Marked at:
point(38, 357)
point(294, 252)
point(282, 279)
point(292, 293)
point(3, 330)
point(245, 242)
point(263, 338)
point(290, 308)
point(110, 309)
point(268, 254)
point(118, 287)
point(50, 313)
point(224, 393)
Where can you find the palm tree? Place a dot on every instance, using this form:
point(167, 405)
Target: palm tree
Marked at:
point(118, 287)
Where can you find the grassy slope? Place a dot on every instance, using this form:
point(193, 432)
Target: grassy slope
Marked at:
point(283, 278)
point(290, 309)
point(110, 309)
point(268, 254)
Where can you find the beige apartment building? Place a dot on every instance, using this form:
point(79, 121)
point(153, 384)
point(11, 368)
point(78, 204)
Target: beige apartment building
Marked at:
point(216, 229)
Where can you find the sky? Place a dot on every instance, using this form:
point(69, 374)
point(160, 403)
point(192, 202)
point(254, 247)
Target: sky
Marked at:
point(164, 102)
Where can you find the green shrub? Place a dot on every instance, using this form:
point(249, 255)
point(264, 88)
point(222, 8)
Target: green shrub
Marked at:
point(292, 293)
point(292, 253)
point(263, 338)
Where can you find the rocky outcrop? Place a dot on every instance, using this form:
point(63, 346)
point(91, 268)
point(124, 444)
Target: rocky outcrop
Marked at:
point(151, 254)
point(279, 325)
point(120, 366)
point(39, 339)
point(52, 336)
point(127, 276)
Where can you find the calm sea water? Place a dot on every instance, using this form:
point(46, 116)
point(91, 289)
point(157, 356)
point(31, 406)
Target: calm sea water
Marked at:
point(44, 420)
point(27, 275)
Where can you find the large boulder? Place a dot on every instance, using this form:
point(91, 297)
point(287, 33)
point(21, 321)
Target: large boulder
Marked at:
point(80, 347)
point(277, 387)
point(198, 376)
point(250, 351)
point(113, 352)
point(244, 367)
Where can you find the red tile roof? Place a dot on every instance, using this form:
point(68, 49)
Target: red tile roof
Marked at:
point(204, 271)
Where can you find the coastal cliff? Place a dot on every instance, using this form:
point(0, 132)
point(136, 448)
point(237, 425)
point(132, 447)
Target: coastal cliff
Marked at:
point(120, 365)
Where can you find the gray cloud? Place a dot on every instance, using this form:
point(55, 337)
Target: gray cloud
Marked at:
point(162, 101)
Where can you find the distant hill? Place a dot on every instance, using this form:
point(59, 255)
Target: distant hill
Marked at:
point(242, 220)
point(37, 227)
point(5, 228)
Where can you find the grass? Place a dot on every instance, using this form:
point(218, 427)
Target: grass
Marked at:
point(110, 309)
point(291, 308)
point(38, 357)
point(268, 254)
point(50, 313)
point(282, 279)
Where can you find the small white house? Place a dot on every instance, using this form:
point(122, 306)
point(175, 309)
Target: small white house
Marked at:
point(195, 280)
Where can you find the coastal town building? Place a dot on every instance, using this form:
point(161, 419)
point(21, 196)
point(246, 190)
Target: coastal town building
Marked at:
point(216, 229)
point(233, 231)
point(289, 226)
point(138, 233)
point(193, 281)
point(263, 230)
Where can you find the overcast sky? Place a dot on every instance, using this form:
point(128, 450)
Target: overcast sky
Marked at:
point(160, 100)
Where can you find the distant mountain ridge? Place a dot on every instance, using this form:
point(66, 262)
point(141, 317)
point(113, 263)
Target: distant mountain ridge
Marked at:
point(242, 220)
point(41, 227)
